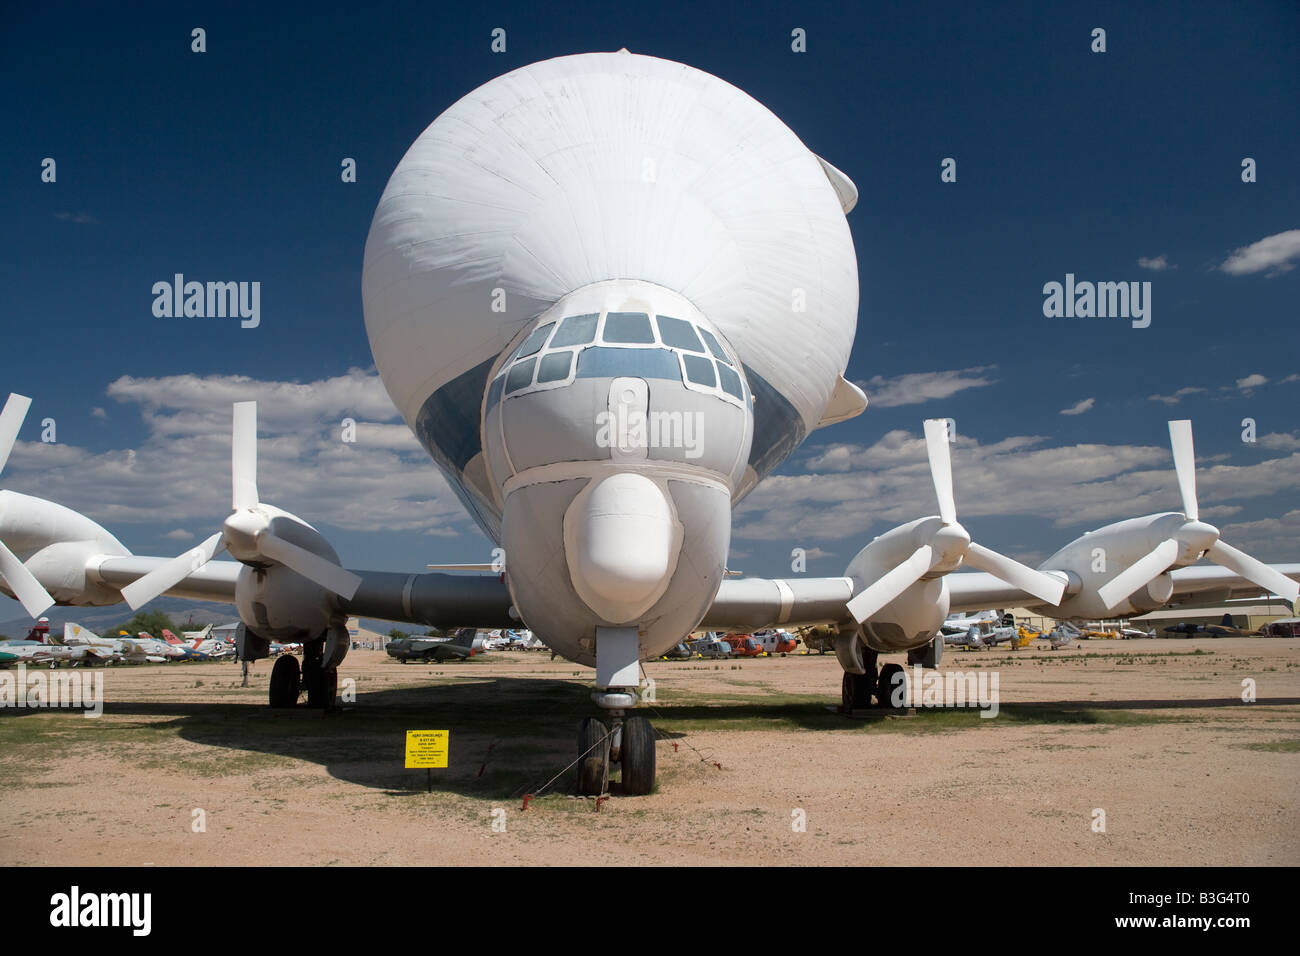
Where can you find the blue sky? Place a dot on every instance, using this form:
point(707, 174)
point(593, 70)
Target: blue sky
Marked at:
point(225, 165)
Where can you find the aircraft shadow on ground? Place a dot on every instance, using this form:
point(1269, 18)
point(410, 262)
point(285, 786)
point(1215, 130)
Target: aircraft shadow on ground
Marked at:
point(513, 736)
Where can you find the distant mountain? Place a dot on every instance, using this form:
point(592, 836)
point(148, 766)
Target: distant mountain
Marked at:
point(100, 619)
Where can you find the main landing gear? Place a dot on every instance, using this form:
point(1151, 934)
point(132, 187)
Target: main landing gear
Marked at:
point(888, 686)
point(318, 676)
point(627, 741)
point(856, 690)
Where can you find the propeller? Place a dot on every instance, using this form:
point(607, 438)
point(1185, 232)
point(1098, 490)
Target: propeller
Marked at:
point(29, 591)
point(949, 546)
point(1193, 537)
point(247, 531)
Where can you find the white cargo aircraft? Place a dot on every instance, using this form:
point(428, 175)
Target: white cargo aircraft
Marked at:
point(610, 294)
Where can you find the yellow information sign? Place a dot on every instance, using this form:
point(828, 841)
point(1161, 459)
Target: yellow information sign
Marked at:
point(426, 748)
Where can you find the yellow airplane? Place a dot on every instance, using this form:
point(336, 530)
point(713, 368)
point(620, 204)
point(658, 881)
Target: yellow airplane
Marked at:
point(1024, 636)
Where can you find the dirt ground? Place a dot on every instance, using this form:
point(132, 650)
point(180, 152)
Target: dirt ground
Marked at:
point(1152, 733)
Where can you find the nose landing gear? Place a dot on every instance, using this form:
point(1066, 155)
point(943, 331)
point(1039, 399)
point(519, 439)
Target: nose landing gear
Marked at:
point(627, 741)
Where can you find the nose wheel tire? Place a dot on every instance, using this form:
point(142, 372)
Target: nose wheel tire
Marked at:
point(638, 756)
point(285, 681)
point(593, 757)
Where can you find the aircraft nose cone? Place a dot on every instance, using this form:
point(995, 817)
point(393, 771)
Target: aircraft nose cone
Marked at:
point(622, 546)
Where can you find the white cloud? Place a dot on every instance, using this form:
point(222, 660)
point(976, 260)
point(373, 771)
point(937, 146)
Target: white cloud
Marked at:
point(849, 490)
point(80, 218)
point(180, 534)
point(1078, 408)
point(1177, 396)
point(1158, 264)
point(1252, 381)
point(1269, 536)
point(1281, 441)
point(98, 412)
point(180, 473)
point(913, 388)
point(1275, 254)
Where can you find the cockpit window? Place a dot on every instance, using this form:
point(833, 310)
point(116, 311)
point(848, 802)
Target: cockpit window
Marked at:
point(680, 352)
point(700, 371)
point(521, 375)
point(631, 328)
point(535, 341)
point(678, 334)
point(554, 367)
point(730, 382)
point(576, 330)
point(715, 346)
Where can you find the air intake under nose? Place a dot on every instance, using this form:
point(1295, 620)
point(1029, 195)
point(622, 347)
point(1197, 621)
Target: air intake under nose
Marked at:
point(622, 541)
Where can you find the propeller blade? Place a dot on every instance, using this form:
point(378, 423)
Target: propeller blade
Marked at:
point(243, 456)
point(1180, 439)
point(1254, 570)
point(166, 576)
point(1147, 568)
point(891, 585)
point(29, 591)
point(11, 420)
point(936, 446)
point(1040, 585)
point(311, 566)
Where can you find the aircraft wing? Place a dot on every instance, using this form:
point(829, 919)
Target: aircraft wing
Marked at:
point(978, 590)
point(434, 599)
point(742, 604)
point(215, 581)
point(748, 604)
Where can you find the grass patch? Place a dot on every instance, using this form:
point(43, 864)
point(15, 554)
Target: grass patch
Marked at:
point(1276, 746)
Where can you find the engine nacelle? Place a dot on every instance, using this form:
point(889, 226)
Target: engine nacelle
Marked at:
point(277, 602)
point(1099, 556)
point(913, 618)
point(58, 544)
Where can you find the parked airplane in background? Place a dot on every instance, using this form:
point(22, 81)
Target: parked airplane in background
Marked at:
point(199, 646)
point(1064, 634)
point(610, 294)
point(465, 643)
point(141, 649)
point(506, 640)
point(39, 652)
point(959, 624)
